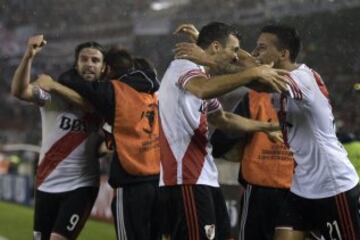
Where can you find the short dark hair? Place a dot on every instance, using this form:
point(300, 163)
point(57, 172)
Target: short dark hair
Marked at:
point(142, 64)
point(146, 66)
point(120, 61)
point(288, 38)
point(90, 44)
point(215, 31)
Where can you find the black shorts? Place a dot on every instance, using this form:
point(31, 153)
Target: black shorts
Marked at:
point(136, 211)
point(335, 217)
point(196, 212)
point(260, 207)
point(62, 213)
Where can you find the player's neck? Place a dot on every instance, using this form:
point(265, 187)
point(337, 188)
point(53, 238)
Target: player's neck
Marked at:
point(289, 66)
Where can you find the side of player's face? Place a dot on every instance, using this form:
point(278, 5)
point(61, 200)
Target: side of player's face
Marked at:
point(266, 50)
point(245, 59)
point(228, 53)
point(90, 64)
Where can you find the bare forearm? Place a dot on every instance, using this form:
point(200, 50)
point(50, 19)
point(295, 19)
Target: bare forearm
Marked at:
point(71, 96)
point(220, 85)
point(241, 124)
point(217, 67)
point(21, 79)
point(224, 67)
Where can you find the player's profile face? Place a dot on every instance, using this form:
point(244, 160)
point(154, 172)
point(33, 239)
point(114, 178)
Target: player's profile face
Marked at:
point(90, 64)
point(266, 50)
point(229, 53)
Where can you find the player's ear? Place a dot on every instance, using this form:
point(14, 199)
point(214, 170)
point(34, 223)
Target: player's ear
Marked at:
point(285, 54)
point(215, 46)
point(107, 70)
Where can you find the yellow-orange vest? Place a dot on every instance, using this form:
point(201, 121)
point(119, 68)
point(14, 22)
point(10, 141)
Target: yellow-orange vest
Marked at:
point(136, 130)
point(265, 163)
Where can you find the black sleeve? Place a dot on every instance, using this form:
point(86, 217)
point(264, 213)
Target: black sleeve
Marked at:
point(222, 142)
point(99, 94)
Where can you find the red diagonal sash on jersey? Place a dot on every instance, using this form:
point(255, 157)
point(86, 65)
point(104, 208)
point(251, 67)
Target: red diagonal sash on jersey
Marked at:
point(58, 152)
point(321, 84)
point(194, 157)
point(167, 159)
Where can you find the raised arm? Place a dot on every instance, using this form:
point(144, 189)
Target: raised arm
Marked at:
point(20, 86)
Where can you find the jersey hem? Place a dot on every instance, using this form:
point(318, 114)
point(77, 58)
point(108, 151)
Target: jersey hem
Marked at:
point(318, 195)
point(67, 189)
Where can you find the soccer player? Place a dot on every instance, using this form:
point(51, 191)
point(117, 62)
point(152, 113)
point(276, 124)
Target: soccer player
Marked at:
point(325, 190)
point(67, 176)
point(188, 173)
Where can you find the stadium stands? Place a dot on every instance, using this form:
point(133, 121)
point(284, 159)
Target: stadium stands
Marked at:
point(330, 41)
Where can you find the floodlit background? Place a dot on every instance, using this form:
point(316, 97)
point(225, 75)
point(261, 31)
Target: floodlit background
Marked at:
point(330, 30)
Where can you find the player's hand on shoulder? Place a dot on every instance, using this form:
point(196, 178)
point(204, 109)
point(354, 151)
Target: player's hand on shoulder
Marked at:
point(45, 82)
point(192, 52)
point(245, 59)
point(34, 45)
point(276, 79)
point(188, 29)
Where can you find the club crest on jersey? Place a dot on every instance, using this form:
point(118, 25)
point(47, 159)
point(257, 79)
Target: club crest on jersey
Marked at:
point(210, 231)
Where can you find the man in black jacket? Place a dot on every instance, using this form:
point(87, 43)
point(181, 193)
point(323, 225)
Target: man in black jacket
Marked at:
point(135, 205)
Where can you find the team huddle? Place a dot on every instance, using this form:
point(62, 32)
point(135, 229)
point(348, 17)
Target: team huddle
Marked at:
point(162, 171)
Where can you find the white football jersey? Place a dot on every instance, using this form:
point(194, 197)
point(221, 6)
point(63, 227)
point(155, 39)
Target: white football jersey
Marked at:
point(322, 166)
point(184, 142)
point(68, 154)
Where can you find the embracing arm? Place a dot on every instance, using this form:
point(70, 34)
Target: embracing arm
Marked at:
point(227, 121)
point(218, 85)
point(99, 94)
point(49, 84)
point(260, 75)
point(209, 88)
point(73, 97)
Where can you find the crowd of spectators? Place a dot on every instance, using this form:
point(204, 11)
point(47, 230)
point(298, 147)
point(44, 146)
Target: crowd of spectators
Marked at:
point(330, 45)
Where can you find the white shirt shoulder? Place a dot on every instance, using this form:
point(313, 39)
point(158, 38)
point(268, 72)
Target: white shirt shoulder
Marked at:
point(186, 70)
point(302, 83)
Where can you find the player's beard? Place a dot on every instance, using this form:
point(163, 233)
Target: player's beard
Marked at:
point(89, 75)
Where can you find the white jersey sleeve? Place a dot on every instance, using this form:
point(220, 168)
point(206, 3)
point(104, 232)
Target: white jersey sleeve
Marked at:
point(300, 85)
point(190, 70)
point(213, 105)
point(41, 97)
point(187, 71)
